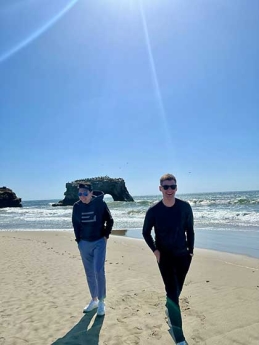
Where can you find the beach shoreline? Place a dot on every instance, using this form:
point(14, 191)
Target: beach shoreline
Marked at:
point(43, 292)
point(235, 242)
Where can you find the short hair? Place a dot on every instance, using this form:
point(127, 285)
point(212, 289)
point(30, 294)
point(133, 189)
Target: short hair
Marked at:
point(167, 177)
point(86, 185)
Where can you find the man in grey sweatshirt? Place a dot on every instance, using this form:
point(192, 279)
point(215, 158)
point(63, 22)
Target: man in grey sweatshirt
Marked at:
point(92, 222)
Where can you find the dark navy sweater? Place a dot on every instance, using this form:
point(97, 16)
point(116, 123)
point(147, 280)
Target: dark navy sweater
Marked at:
point(92, 221)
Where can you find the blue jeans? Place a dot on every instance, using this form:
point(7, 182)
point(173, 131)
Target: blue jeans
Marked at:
point(93, 257)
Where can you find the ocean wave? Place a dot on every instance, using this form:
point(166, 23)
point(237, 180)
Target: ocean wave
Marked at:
point(145, 204)
point(226, 217)
point(219, 228)
point(38, 211)
point(218, 202)
point(136, 212)
point(214, 210)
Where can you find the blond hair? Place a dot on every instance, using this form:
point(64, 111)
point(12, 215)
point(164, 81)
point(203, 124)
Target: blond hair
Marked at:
point(167, 177)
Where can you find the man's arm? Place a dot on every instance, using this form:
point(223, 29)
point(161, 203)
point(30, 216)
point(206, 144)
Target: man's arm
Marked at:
point(76, 224)
point(147, 228)
point(190, 231)
point(108, 222)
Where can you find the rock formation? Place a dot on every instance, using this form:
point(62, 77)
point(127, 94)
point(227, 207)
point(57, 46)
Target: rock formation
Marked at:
point(113, 186)
point(8, 198)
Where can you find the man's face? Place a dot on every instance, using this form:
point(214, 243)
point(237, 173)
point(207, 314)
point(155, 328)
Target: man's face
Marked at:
point(168, 189)
point(85, 195)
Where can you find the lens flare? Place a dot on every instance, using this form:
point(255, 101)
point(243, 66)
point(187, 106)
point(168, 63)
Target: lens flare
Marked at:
point(161, 108)
point(37, 33)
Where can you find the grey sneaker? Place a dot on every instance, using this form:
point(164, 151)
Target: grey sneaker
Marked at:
point(91, 306)
point(101, 308)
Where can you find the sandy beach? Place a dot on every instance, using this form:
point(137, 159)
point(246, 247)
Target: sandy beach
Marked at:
point(43, 292)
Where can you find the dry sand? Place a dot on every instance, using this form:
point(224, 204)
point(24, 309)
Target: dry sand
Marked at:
point(43, 291)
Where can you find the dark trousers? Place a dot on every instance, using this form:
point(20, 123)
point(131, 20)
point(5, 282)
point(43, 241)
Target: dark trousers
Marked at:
point(173, 270)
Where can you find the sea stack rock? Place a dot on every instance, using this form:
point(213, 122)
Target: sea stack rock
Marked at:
point(8, 198)
point(113, 186)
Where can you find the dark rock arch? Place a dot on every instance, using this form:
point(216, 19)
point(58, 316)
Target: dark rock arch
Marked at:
point(115, 187)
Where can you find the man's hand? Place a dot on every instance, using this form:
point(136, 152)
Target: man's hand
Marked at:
point(157, 255)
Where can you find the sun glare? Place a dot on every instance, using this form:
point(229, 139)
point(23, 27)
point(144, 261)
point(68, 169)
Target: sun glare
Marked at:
point(38, 32)
point(160, 104)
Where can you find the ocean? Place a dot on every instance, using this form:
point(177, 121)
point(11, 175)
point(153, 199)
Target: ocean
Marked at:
point(226, 221)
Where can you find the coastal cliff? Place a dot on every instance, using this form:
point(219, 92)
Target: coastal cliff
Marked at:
point(115, 187)
point(8, 198)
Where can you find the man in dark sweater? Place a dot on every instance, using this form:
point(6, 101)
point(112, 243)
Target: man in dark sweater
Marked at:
point(172, 220)
point(92, 222)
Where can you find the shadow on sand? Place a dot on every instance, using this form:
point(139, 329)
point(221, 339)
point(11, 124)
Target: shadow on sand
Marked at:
point(80, 334)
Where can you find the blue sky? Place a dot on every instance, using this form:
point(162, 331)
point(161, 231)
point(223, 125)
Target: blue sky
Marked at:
point(131, 89)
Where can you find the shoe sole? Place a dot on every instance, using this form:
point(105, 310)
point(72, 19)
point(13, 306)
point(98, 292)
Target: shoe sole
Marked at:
point(88, 311)
point(100, 314)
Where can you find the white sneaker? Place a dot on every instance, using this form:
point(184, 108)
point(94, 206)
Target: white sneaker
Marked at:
point(182, 343)
point(101, 308)
point(91, 306)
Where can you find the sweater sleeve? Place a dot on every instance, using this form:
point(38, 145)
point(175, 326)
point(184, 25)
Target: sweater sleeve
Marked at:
point(76, 223)
point(147, 228)
point(108, 221)
point(190, 230)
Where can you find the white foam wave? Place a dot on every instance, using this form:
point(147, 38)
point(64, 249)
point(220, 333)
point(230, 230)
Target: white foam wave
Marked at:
point(218, 202)
point(228, 217)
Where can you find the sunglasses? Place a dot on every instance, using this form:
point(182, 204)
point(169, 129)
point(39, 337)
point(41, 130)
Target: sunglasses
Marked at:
point(83, 194)
point(172, 186)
